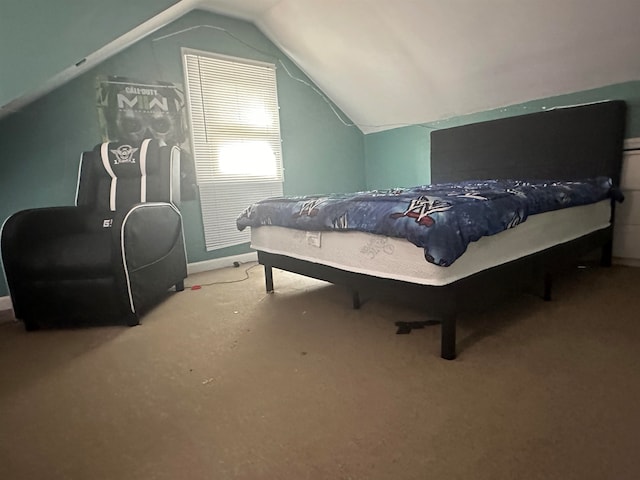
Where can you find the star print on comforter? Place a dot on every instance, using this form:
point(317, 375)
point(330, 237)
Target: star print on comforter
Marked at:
point(442, 219)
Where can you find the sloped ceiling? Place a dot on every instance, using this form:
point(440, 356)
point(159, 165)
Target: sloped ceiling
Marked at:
point(391, 63)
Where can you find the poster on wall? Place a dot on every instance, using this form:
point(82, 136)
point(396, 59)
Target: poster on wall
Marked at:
point(130, 110)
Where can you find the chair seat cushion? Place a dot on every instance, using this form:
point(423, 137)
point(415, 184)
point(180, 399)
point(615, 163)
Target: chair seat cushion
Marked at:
point(81, 255)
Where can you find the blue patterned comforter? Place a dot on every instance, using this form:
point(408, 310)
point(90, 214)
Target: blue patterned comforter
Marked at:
point(443, 219)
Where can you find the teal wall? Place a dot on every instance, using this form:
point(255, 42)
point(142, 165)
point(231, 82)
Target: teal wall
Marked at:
point(28, 28)
point(41, 144)
point(397, 158)
point(400, 157)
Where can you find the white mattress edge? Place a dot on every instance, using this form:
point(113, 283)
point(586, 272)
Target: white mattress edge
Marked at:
point(538, 233)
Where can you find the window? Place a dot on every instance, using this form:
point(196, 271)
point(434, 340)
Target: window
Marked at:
point(235, 129)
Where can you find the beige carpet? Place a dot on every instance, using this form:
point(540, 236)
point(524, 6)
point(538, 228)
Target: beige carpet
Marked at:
point(228, 382)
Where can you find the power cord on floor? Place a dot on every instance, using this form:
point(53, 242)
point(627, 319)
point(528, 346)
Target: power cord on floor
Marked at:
point(198, 286)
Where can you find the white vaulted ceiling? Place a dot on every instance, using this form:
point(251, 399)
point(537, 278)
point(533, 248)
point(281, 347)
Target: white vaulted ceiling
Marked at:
point(387, 63)
point(409, 61)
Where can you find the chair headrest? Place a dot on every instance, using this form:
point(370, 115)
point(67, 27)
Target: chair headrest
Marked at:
point(129, 160)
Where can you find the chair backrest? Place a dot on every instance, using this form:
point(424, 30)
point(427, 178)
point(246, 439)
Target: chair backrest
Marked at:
point(116, 175)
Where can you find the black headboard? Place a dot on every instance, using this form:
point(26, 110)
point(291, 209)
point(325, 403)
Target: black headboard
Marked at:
point(563, 143)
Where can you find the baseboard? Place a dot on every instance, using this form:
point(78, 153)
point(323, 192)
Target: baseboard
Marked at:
point(629, 262)
point(632, 143)
point(224, 262)
point(5, 303)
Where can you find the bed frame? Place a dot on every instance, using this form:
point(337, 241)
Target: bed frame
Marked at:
point(563, 143)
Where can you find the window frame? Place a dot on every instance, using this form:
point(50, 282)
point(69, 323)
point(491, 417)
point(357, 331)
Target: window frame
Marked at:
point(223, 196)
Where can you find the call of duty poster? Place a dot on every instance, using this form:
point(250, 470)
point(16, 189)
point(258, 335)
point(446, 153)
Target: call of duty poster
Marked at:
point(130, 110)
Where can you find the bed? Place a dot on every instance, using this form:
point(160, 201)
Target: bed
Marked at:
point(564, 144)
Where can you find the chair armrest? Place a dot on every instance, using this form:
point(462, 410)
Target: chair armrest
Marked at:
point(147, 233)
point(42, 224)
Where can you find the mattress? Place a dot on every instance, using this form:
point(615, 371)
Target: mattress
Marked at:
point(398, 259)
point(441, 218)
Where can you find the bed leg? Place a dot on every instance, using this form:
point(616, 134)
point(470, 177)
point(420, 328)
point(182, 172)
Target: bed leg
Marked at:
point(448, 338)
point(548, 283)
point(355, 296)
point(268, 278)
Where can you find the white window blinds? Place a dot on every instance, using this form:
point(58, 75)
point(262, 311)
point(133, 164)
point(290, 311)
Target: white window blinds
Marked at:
point(235, 129)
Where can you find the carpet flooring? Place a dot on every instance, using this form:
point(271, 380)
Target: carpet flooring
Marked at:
point(229, 382)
